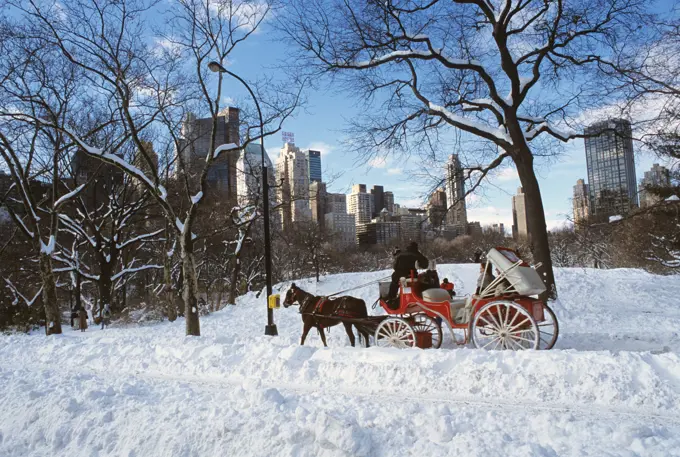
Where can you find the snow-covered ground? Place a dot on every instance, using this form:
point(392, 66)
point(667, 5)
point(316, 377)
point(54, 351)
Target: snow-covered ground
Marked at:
point(611, 386)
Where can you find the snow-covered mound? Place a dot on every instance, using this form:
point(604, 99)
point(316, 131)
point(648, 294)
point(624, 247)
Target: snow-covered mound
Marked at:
point(611, 386)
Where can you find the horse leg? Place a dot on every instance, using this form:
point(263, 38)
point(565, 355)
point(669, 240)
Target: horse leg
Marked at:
point(323, 336)
point(350, 333)
point(305, 331)
point(365, 335)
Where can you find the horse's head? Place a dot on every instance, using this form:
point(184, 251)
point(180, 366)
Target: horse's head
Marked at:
point(291, 296)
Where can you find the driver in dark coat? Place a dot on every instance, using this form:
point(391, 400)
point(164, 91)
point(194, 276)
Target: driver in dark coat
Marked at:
point(404, 263)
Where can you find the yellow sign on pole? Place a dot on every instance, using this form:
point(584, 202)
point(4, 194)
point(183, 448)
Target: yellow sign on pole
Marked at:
point(274, 301)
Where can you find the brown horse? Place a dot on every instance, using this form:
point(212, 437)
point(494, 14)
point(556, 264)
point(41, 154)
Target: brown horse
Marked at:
point(321, 312)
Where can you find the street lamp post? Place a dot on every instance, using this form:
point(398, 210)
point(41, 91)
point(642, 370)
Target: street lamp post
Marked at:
point(270, 328)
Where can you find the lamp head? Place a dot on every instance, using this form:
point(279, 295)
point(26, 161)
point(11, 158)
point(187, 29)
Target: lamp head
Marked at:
point(216, 67)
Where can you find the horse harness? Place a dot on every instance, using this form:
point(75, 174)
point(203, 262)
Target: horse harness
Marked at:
point(339, 309)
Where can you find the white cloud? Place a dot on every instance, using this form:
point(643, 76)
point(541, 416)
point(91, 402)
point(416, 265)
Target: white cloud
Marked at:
point(378, 162)
point(394, 171)
point(229, 101)
point(507, 174)
point(321, 146)
point(167, 45)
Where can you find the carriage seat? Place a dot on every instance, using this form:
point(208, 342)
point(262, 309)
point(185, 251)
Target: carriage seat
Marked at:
point(436, 295)
point(458, 303)
point(460, 308)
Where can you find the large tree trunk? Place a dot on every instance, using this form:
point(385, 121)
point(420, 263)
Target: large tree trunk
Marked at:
point(190, 285)
point(49, 296)
point(170, 303)
point(538, 233)
point(105, 286)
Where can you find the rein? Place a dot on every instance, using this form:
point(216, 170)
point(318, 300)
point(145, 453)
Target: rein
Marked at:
point(359, 287)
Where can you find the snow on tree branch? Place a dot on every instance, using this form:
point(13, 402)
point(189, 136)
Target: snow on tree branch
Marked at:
point(64, 198)
point(135, 270)
point(18, 294)
point(222, 148)
point(119, 162)
point(139, 238)
point(48, 248)
point(197, 198)
point(497, 134)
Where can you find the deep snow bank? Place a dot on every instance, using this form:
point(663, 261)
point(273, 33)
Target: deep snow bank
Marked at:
point(149, 391)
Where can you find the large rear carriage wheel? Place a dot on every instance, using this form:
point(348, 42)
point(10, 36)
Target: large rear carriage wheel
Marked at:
point(548, 329)
point(395, 332)
point(424, 323)
point(504, 325)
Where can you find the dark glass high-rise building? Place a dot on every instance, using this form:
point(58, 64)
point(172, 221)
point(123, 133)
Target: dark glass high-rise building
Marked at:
point(612, 185)
point(195, 144)
point(314, 161)
point(378, 193)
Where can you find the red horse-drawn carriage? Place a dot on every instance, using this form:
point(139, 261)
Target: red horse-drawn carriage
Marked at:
point(504, 314)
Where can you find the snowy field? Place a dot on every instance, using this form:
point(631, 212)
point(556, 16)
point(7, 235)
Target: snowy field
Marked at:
point(610, 388)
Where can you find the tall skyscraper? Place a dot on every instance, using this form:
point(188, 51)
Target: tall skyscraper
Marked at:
point(520, 223)
point(581, 203)
point(389, 202)
point(657, 176)
point(249, 173)
point(611, 168)
point(317, 202)
point(195, 143)
point(293, 192)
point(378, 193)
point(455, 195)
point(360, 204)
point(314, 164)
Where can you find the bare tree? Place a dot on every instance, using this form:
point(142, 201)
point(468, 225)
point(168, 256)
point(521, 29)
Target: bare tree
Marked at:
point(35, 85)
point(111, 218)
point(149, 90)
point(507, 73)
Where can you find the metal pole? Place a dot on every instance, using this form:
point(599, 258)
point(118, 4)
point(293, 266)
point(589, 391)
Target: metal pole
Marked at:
point(270, 328)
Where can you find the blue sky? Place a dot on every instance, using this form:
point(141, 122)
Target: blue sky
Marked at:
point(320, 126)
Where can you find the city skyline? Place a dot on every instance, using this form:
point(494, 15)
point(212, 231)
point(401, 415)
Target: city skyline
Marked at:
point(491, 202)
point(379, 193)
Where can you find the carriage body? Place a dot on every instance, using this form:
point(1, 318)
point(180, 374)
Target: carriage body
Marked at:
point(505, 314)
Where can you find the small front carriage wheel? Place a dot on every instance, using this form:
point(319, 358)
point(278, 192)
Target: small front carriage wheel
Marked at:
point(504, 325)
point(395, 332)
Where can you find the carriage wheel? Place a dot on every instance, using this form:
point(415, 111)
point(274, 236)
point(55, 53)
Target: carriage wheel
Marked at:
point(395, 332)
point(504, 325)
point(548, 329)
point(424, 323)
